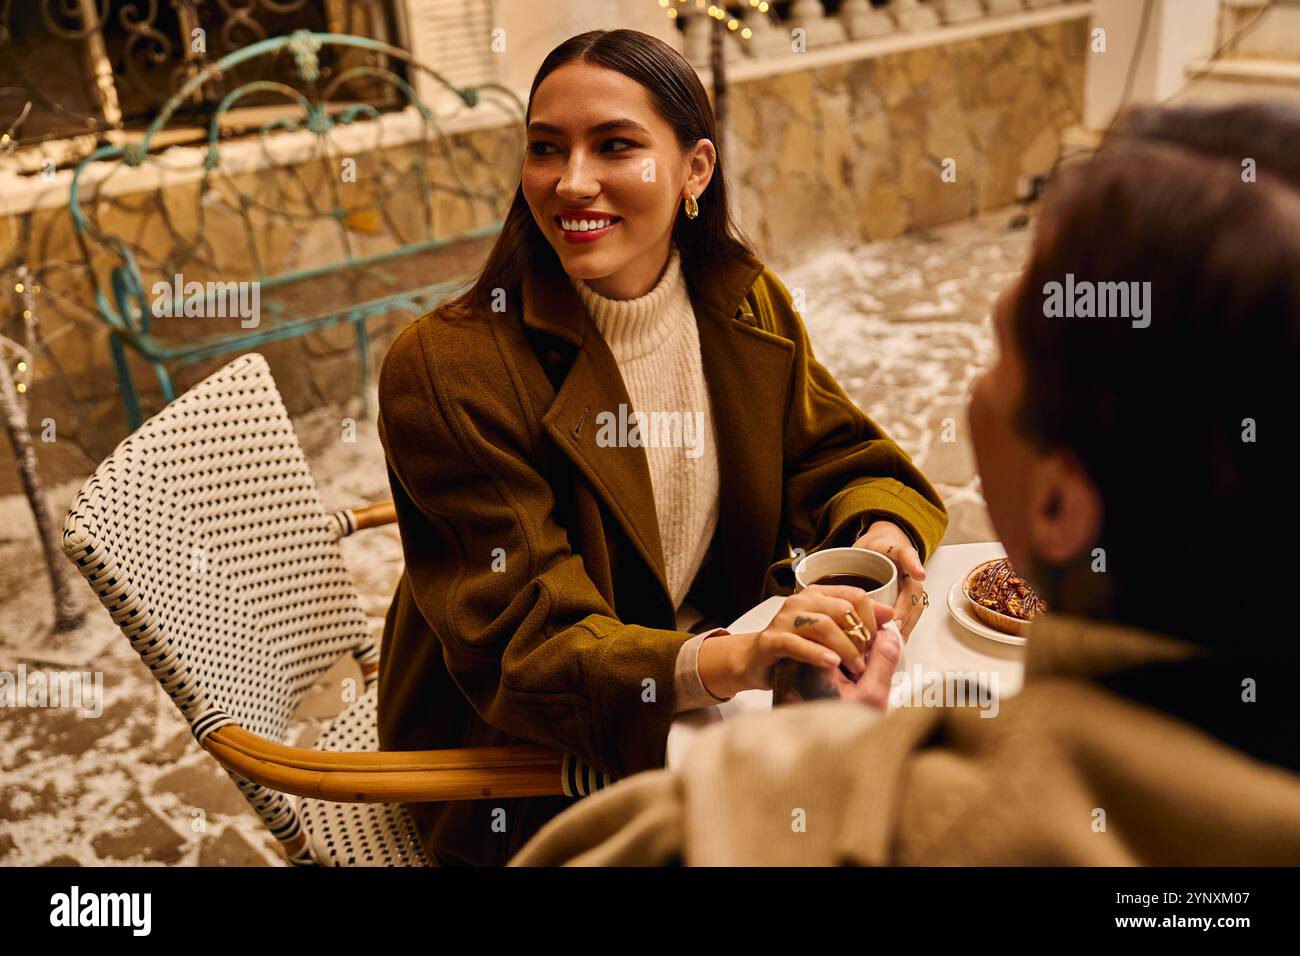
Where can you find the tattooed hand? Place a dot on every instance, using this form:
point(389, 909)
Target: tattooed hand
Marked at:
point(892, 541)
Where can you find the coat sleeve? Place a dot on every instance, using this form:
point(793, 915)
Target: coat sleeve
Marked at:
point(839, 465)
point(641, 822)
point(525, 633)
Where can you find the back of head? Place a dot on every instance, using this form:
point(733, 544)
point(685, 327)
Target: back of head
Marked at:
point(1182, 416)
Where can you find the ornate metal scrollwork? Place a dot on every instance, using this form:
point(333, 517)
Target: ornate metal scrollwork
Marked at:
point(135, 55)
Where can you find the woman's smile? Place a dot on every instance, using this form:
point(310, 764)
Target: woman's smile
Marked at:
point(588, 226)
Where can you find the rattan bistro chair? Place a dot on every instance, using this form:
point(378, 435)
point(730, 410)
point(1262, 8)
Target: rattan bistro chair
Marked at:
point(204, 537)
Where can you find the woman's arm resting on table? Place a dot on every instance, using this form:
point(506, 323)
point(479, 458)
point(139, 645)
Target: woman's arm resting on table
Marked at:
point(840, 466)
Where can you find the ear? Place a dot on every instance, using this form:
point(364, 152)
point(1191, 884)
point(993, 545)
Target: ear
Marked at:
point(701, 163)
point(1065, 510)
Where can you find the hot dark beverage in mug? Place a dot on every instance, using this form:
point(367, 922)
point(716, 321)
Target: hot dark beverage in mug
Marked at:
point(851, 580)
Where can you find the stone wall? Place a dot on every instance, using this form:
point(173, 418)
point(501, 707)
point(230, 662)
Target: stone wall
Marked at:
point(854, 152)
point(836, 154)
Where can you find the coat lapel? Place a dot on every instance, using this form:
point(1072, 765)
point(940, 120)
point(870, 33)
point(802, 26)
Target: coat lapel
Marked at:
point(620, 476)
point(747, 373)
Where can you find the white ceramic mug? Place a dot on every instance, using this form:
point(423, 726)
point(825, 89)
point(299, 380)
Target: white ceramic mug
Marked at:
point(872, 564)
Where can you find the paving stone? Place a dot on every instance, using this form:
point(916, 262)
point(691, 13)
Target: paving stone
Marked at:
point(205, 786)
point(173, 750)
point(950, 459)
point(968, 521)
point(20, 801)
point(229, 849)
point(68, 732)
point(141, 733)
point(325, 699)
point(146, 837)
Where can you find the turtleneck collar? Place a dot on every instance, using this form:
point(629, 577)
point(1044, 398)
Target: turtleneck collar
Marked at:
point(634, 327)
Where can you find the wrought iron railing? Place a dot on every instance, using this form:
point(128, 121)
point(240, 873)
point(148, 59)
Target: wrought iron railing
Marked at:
point(86, 66)
point(327, 215)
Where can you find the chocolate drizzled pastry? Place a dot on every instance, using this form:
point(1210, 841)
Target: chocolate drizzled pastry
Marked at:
point(996, 586)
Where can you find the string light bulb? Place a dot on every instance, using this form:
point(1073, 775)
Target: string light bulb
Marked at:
point(719, 12)
point(24, 286)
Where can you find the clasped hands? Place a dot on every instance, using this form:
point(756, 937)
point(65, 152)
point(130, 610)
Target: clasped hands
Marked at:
point(813, 628)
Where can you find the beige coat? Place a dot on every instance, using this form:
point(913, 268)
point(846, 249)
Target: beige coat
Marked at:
point(1066, 773)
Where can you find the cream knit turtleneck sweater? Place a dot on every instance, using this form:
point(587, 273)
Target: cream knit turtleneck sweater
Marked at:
point(656, 343)
point(657, 346)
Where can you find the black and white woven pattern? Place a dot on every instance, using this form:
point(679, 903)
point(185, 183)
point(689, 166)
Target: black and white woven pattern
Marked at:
point(359, 834)
point(204, 537)
point(581, 779)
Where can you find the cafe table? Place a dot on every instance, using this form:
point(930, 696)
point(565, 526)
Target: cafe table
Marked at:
point(938, 645)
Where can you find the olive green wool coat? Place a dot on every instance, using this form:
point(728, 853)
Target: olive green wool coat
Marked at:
point(534, 604)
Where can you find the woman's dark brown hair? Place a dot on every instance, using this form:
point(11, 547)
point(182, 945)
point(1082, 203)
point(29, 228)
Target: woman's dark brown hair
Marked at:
point(1187, 426)
point(678, 96)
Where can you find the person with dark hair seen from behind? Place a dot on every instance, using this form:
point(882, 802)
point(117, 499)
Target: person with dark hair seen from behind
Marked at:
point(1138, 469)
point(567, 563)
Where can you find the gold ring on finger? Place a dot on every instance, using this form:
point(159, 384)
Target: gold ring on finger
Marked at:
point(857, 628)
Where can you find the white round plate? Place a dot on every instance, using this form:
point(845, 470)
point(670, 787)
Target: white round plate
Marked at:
point(959, 608)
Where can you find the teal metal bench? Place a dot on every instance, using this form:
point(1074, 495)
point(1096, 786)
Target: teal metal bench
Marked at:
point(292, 234)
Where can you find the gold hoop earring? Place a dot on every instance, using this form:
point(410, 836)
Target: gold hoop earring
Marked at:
point(692, 207)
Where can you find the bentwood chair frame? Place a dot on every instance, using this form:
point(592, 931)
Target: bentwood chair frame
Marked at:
point(205, 538)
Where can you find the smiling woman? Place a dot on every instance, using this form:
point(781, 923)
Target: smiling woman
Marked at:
point(562, 575)
point(620, 117)
point(644, 171)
